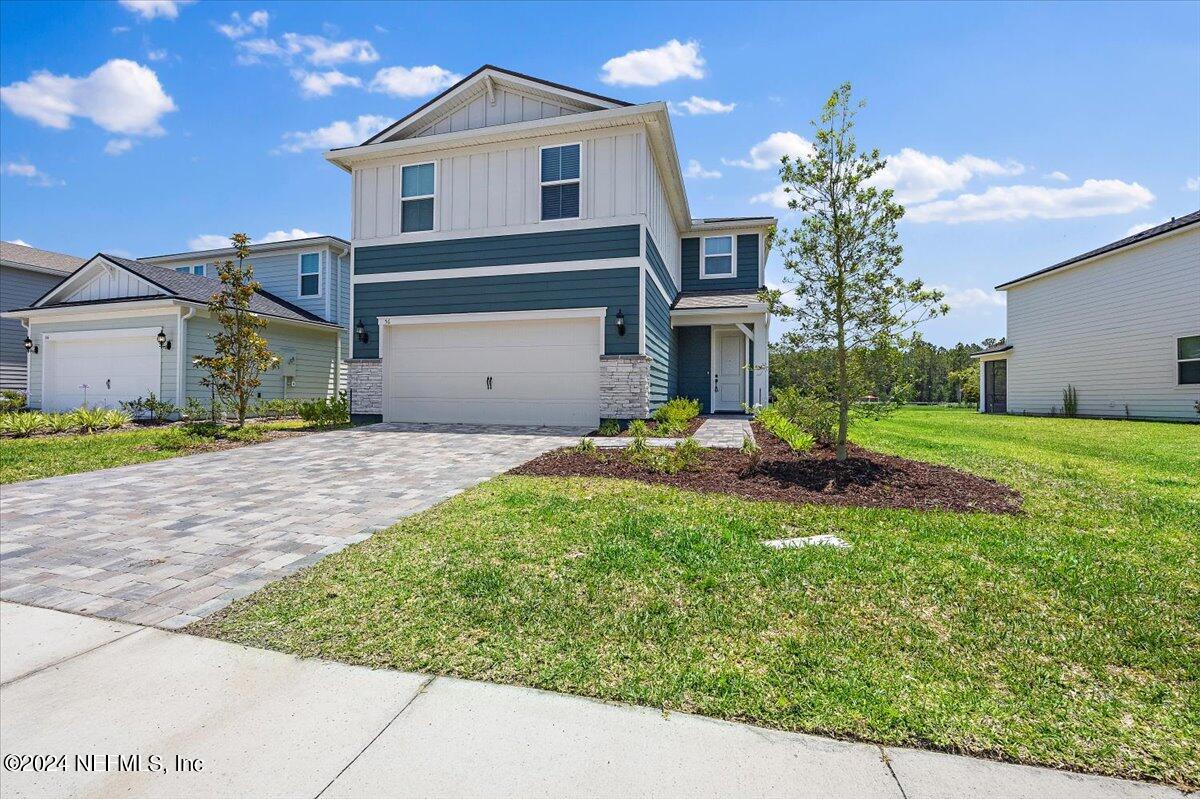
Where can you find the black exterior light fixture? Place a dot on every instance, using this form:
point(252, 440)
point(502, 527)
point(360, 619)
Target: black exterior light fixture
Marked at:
point(163, 341)
point(620, 322)
point(360, 330)
point(29, 345)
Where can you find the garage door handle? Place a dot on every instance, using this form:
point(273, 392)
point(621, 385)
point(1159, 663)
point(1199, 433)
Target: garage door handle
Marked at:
point(489, 383)
point(108, 383)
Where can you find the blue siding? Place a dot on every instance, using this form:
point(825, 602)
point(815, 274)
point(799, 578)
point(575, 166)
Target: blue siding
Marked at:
point(660, 345)
point(747, 266)
point(616, 289)
point(654, 258)
point(694, 357)
point(525, 248)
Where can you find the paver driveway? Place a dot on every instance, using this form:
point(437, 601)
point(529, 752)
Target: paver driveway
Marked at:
point(169, 542)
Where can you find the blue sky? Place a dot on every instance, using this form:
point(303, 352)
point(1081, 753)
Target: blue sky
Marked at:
point(1019, 134)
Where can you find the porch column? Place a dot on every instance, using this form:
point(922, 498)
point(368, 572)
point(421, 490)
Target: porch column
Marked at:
point(762, 367)
point(982, 385)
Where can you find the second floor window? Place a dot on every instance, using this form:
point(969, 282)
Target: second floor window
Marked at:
point(416, 197)
point(310, 274)
point(1187, 351)
point(198, 269)
point(560, 182)
point(718, 257)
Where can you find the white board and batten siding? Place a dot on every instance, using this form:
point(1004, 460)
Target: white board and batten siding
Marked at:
point(112, 282)
point(493, 190)
point(1108, 328)
point(480, 112)
point(661, 223)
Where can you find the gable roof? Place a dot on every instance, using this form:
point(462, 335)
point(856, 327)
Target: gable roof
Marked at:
point(480, 76)
point(20, 255)
point(179, 286)
point(1137, 238)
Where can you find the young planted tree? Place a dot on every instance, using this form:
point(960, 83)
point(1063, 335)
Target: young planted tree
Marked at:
point(842, 261)
point(240, 354)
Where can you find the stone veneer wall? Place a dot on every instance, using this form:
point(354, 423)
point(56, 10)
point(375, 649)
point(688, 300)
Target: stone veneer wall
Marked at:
point(624, 386)
point(365, 379)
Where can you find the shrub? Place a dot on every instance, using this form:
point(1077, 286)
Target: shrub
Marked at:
point(22, 424)
point(60, 422)
point(678, 412)
point(150, 408)
point(11, 401)
point(585, 446)
point(194, 410)
point(783, 428)
point(811, 414)
point(638, 428)
point(687, 453)
point(326, 412)
point(753, 453)
point(246, 434)
point(204, 429)
point(670, 429)
point(114, 418)
point(89, 420)
point(277, 408)
point(637, 447)
point(1070, 401)
point(609, 427)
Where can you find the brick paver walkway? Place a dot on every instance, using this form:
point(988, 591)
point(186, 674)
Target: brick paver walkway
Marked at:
point(724, 431)
point(169, 542)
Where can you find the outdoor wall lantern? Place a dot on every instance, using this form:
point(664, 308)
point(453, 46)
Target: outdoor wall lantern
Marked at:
point(620, 322)
point(162, 339)
point(29, 347)
point(360, 330)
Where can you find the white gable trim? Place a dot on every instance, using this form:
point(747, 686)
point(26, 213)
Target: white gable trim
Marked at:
point(99, 268)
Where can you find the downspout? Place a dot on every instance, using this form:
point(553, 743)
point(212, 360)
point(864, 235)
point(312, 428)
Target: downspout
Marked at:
point(181, 355)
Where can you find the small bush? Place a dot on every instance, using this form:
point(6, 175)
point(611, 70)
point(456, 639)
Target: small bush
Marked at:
point(811, 414)
point(637, 447)
point(585, 446)
point(11, 401)
point(112, 419)
point(59, 422)
point(277, 408)
point(784, 428)
point(326, 412)
point(1070, 401)
point(678, 411)
point(149, 408)
point(609, 427)
point(753, 453)
point(89, 420)
point(205, 429)
point(638, 428)
point(247, 434)
point(20, 425)
point(687, 453)
point(670, 429)
point(194, 411)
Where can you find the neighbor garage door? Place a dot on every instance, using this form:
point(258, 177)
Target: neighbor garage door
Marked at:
point(115, 365)
point(494, 369)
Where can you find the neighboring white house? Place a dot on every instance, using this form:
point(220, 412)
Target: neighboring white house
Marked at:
point(1121, 324)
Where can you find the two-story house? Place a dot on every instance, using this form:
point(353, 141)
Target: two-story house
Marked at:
point(116, 329)
point(523, 252)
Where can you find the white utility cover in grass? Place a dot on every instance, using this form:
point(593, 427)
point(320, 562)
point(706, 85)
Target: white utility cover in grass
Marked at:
point(115, 365)
point(502, 371)
point(807, 541)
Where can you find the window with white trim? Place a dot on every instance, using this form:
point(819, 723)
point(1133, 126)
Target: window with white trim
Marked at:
point(560, 182)
point(417, 182)
point(198, 269)
point(717, 259)
point(310, 274)
point(1187, 357)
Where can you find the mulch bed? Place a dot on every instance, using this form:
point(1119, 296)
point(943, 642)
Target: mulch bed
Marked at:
point(864, 479)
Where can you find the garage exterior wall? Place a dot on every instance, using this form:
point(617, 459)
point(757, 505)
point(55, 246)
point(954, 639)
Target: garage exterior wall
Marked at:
point(167, 371)
point(18, 289)
point(315, 350)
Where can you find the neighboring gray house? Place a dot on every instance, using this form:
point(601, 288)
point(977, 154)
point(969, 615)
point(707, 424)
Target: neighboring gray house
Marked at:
point(26, 273)
point(124, 328)
point(1121, 324)
point(523, 252)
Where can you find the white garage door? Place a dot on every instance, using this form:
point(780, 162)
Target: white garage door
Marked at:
point(115, 365)
point(495, 369)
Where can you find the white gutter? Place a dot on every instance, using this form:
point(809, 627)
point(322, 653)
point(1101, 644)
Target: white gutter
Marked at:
point(181, 355)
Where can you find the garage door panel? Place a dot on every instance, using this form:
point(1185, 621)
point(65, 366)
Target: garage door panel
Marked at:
point(543, 372)
point(114, 369)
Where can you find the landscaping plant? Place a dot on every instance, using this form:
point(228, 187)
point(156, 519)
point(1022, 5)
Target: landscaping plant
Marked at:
point(24, 424)
point(753, 453)
point(781, 423)
point(11, 401)
point(638, 428)
point(1071, 402)
point(586, 446)
point(609, 427)
point(326, 412)
point(149, 408)
point(842, 262)
point(241, 355)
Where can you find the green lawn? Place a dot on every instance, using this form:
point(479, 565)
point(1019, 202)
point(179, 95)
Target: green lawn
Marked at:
point(49, 456)
point(1069, 636)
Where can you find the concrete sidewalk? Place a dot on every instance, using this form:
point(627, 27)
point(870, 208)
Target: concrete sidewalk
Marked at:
point(229, 721)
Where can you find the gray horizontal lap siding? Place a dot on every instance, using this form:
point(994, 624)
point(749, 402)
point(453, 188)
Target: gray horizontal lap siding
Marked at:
point(18, 289)
point(526, 248)
point(614, 289)
point(660, 345)
point(694, 357)
point(747, 266)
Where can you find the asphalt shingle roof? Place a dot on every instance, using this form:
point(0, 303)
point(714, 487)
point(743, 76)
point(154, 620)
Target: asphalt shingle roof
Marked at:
point(43, 259)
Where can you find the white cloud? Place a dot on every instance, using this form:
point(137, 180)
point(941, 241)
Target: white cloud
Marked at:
point(152, 9)
point(336, 134)
point(237, 27)
point(215, 241)
point(700, 106)
point(157, 55)
point(380, 29)
point(1056, 175)
point(32, 175)
point(413, 81)
point(1006, 203)
point(120, 96)
point(121, 29)
point(667, 62)
point(917, 177)
point(766, 153)
point(118, 146)
point(322, 84)
point(1192, 184)
point(22, 242)
point(963, 299)
point(776, 197)
point(1133, 231)
point(316, 50)
point(695, 170)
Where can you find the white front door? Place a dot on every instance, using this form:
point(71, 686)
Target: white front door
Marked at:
point(729, 376)
point(114, 365)
point(506, 370)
